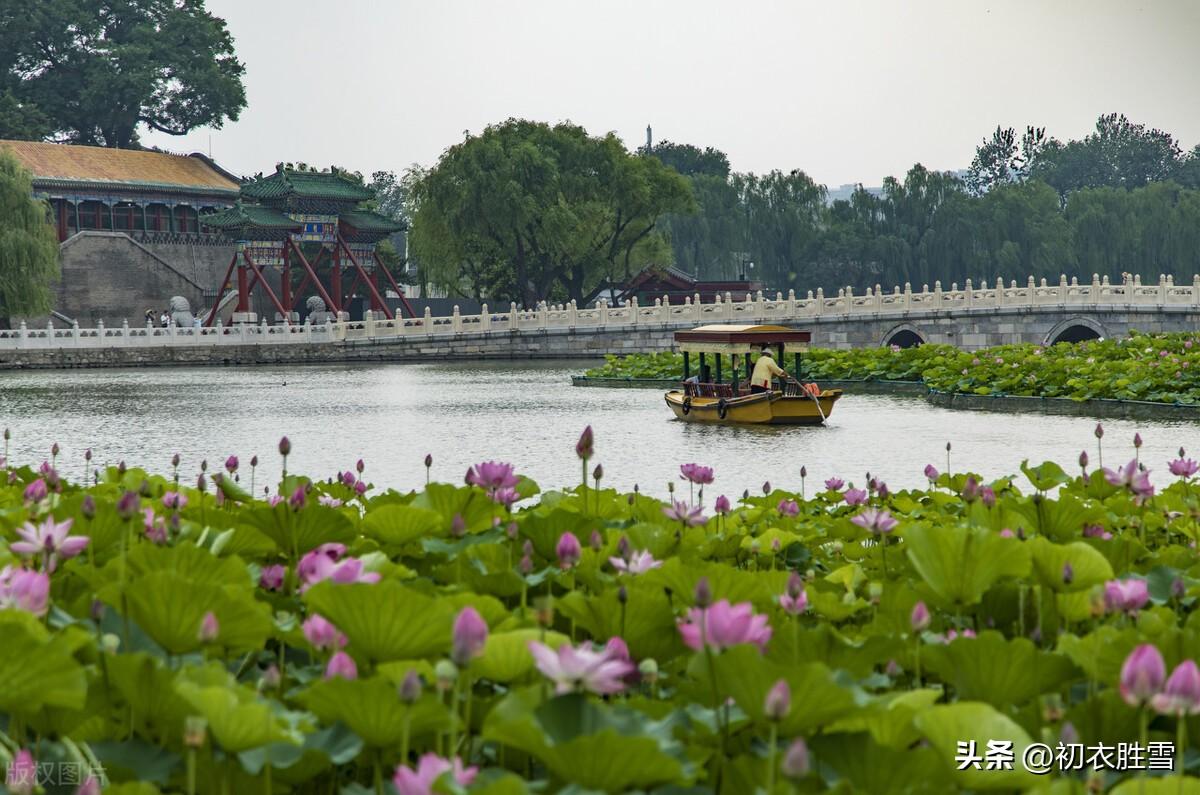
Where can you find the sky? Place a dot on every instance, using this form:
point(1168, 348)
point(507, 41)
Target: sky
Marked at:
point(846, 90)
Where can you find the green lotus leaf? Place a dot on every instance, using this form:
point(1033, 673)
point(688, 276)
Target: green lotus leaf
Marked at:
point(724, 581)
point(37, 672)
point(469, 502)
point(1089, 567)
point(169, 609)
point(238, 719)
point(1101, 652)
point(959, 564)
point(1165, 785)
point(137, 759)
point(947, 725)
point(998, 671)
point(889, 718)
point(646, 623)
point(1061, 519)
point(1046, 475)
point(385, 620)
point(792, 644)
point(484, 568)
point(298, 532)
point(396, 525)
point(544, 527)
point(506, 656)
point(190, 562)
point(148, 688)
point(372, 709)
point(878, 768)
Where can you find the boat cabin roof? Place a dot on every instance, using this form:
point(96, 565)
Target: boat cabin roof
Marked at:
point(734, 339)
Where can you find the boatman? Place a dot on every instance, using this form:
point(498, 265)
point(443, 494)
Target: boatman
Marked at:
point(764, 369)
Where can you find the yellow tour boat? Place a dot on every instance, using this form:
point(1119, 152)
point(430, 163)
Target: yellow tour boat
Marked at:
point(710, 399)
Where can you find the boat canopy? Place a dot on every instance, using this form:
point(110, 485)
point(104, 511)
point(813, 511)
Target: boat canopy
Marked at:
point(733, 340)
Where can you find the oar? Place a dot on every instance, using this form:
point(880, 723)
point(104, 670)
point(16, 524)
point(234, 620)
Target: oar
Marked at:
point(814, 400)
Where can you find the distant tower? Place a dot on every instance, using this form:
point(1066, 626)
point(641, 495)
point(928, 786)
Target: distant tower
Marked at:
point(649, 140)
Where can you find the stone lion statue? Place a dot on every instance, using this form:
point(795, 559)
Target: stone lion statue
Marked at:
point(317, 312)
point(180, 311)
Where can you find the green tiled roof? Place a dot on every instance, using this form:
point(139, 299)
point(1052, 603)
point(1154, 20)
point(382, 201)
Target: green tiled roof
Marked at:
point(249, 216)
point(369, 221)
point(308, 184)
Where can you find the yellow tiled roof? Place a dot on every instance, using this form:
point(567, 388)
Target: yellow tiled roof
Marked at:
point(128, 167)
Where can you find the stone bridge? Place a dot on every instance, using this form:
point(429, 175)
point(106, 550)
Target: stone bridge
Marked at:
point(970, 317)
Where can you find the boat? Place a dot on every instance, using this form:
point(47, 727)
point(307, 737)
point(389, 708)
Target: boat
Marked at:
point(712, 399)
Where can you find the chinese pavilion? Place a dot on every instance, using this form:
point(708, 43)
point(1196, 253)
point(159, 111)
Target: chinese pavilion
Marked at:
point(666, 283)
point(291, 228)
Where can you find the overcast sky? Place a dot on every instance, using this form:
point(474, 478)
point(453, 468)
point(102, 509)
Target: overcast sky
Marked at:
point(847, 90)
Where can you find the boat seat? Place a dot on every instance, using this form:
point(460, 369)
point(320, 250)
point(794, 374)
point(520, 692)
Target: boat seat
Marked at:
point(708, 390)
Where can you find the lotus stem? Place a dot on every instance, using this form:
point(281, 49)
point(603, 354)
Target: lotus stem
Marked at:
point(404, 735)
point(1180, 745)
point(771, 751)
point(191, 771)
point(378, 777)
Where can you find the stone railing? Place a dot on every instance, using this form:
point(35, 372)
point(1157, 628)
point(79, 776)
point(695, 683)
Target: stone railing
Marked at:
point(846, 305)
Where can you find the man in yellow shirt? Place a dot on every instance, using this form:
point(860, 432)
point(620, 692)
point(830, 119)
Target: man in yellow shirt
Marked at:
point(764, 369)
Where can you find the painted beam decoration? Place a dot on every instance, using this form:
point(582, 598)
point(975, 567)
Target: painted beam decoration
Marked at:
point(265, 253)
point(318, 228)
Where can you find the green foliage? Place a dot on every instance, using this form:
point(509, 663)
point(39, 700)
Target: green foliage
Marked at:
point(28, 245)
point(94, 73)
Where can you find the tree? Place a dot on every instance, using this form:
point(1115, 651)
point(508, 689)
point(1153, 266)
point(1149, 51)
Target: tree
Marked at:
point(1119, 154)
point(526, 211)
point(99, 70)
point(28, 245)
point(690, 160)
point(1002, 159)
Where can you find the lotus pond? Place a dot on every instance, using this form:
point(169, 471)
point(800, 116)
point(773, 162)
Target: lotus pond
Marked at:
point(1161, 368)
point(170, 633)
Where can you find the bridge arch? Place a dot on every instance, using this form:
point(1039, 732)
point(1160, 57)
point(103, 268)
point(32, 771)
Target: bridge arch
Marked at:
point(905, 335)
point(1075, 329)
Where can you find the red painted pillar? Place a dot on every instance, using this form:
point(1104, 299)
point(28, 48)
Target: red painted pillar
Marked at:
point(285, 282)
point(336, 282)
point(243, 304)
point(376, 304)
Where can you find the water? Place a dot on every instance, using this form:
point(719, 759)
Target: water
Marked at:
point(526, 413)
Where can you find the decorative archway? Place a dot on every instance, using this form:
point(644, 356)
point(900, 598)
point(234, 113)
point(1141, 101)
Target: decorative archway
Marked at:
point(1075, 329)
point(904, 335)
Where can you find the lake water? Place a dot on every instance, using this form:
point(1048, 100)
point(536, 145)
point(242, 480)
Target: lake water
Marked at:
point(526, 413)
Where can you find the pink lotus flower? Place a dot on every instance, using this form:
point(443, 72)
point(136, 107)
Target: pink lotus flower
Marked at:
point(794, 600)
point(877, 521)
point(274, 500)
point(154, 527)
point(329, 502)
point(21, 777)
point(723, 625)
point(568, 550)
point(795, 762)
point(322, 634)
point(1130, 477)
point(492, 475)
point(505, 496)
point(36, 491)
point(173, 500)
point(90, 786)
point(1183, 467)
point(50, 540)
point(24, 590)
point(788, 508)
point(778, 701)
point(953, 634)
point(638, 563)
point(855, 496)
point(680, 512)
point(325, 563)
point(1006, 532)
point(695, 473)
point(210, 628)
point(271, 577)
point(617, 649)
point(835, 484)
point(341, 664)
point(430, 768)
point(1126, 596)
point(931, 473)
point(919, 619)
point(581, 667)
point(470, 636)
point(1142, 675)
point(1181, 695)
point(722, 506)
point(1096, 531)
point(348, 479)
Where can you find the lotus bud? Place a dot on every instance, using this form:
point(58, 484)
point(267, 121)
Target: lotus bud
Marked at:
point(231, 464)
point(511, 530)
point(883, 490)
point(527, 548)
point(204, 465)
point(795, 585)
point(947, 447)
point(1178, 588)
point(595, 541)
point(90, 786)
point(525, 566)
point(778, 701)
point(458, 527)
point(670, 487)
point(766, 487)
point(585, 447)
point(127, 506)
point(88, 507)
point(987, 496)
point(1099, 431)
point(1182, 452)
point(87, 454)
point(298, 499)
point(7, 434)
point(803, 471)
point(175, 460)
point(270, 678)
point(622, 595)
point(445, 672)
point(469, 637)
point(253, 460)
point(410, 687)
point(96, 612)
point(1068, 573)
point(635, 489)
point(360, 466)
point(1068, 734)
point(121, 468)
point(648, 669)
point(893, 669)
point(201, 484)
point(195, 731)
point(209, 628)
point(1181, 694)
point(721, 506)
point(970, 491)
point(598, 473)
point(110, 643)
point(795, 760)
point(1142, 675)
point(1137, 441)
point(428, 460)
point(629, 499)
point(285, 446)
point(567, 550)
point(745, 494)
point(931, 473)
point(623, 547)
point(341, 665)
point(703, 594)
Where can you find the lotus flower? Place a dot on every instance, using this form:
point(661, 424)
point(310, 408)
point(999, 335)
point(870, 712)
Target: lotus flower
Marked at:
point(36, 491)
point(325, 563)
point(24, 590)
point(778, 701)
point(21, 778)
point(1183, 467)
point(430, 768)
point(231, 464)
point(469, 637)
point(1142, 675)
point(931, 473)
point(835, 484)
point(695, 473)
point(723, 625)
point(953, 634)
point(329, 502)
point(492, 475)
point(568, 550)
point(1096, 531)
point(173, 500)
point(341, 664)
point(877, 521)
point(855, 496)
point(586, 444)
point(210, 628)
point(1130, 477)
point(1126, 596)
point(90, 786)
point(795, 762)
point(50, 540)
point(1181, 694)
point(505, 496)
point(581, 667)
point(721, 505)
point(617, 649)
point(638, 563)
point(919, 620)
point(680, 512)
point(788, 508)
point(321, 634)
point(794, 600)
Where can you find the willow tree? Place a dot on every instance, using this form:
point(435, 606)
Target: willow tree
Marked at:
point(28, 245)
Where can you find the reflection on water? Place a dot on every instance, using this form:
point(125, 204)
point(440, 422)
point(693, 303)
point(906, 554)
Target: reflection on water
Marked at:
point(527, 413)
